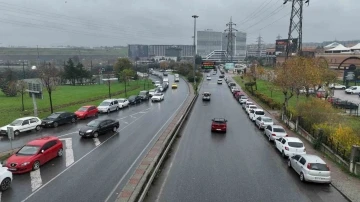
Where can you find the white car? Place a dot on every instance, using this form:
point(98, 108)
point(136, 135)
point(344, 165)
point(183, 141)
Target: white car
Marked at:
point(337, 86)
point(353, 90)
point(157, 97)
point(22, 125)
point(234, 88)
point(123, 102)
point(219, 81)
point(249, 107)
point(157, 83)
point(290, 146)
point(263, 121)
point(6, 178)
point(245, 104)
point(274, 132)
point(108, 106)
point(256, 113)
point(208, 78)
point(243, 99)
point(310, 168)
point(152, 92)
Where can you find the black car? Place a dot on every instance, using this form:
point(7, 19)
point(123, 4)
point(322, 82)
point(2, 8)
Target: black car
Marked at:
point(221, 76)
point(165, 73)
point(134, 99)
point(97, 127)
point(59, 118)
point(144, 94)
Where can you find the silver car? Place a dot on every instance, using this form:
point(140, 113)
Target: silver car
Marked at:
point(274, 132)
point(263, 121)
point(310, 168)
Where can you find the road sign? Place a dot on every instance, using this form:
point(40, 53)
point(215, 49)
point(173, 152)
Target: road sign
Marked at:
point(208, 65)
point(10, 132)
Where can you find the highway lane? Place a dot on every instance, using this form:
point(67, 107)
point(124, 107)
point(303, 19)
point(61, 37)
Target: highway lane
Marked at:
point(240, 165)
point(63, 130)
point(99, 166)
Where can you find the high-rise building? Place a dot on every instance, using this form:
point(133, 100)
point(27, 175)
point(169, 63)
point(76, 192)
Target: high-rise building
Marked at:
point(136, 50)
point(211, 43)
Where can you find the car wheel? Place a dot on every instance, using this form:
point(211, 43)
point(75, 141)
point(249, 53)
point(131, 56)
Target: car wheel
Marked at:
point(55, 124)
point(289, 163)
point(269, 139)
point(60, 152)
point(114, 129)
point(117, 108)
point(108, 111)
point(342, 88)
point(36, 165)
point(5, 184)
point(302, 178)
point(283, 154)
point(73, 120)
point(96, 134)
point(38, 128)
point(16, 132)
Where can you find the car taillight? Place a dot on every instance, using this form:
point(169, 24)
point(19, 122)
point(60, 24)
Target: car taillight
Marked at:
point(273, 134)
point(287, 148)
point(309, 166)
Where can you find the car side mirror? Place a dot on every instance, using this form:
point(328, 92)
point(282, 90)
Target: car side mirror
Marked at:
point(42, 151)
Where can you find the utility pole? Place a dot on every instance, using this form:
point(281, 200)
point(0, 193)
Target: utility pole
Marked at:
point(295, 27)
point(195, 16)
point(259, 45)
point(230, 37)
point(278, 37)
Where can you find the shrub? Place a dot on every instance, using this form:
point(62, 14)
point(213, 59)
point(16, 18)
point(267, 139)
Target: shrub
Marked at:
point(346, 137)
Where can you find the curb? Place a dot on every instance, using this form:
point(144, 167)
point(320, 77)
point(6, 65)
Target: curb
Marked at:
point(342, 193)
point(137, 186)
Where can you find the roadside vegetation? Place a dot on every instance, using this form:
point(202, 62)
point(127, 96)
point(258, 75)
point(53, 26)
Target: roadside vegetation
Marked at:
point(279, 88)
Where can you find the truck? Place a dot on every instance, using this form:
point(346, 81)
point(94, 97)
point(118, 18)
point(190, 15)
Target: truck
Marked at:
point(176, 79)
point(166, 80)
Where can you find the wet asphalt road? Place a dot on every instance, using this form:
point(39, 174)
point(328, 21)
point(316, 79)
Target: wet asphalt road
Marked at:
point(100, 167)
point(240, 165)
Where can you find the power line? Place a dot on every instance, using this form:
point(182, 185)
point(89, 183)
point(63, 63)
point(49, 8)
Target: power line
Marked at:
point(257, 30)
point(274, 12)
point(262, 6)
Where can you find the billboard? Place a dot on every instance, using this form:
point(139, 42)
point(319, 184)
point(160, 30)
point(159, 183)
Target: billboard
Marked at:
point(208, 65)
point(280, 45)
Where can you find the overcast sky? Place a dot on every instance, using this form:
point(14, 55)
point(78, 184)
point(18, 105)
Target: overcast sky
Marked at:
point(120, 22)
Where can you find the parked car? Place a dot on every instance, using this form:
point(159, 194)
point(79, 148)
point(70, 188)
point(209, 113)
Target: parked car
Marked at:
point(337, 86)
point(245, 104)
point(219, 81)
point(345, 105)
point(263, 121)
point(134, 99)
point(243, 99)
point(6, 178)
point(85, 112)
point(34, 154)
point(290, 146)
point(206, 96)
point(108, 106)
point(256, 113)
point(310, 168)
point(144, 95)
point(208, 78)
point(353, 90)
point(152, 92)
point(274, 132)
point(221, 76)
point(249, 107)
point(123, 102)
point(59, 118)
point(219, 125)
point(22, 125)
point(97, 127)
point(157, 97)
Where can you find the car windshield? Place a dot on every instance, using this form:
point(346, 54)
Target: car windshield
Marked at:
point(82, 109)
point(318, 166)
point(93, 123)
point(267, 120)
point(53, 116)
point(121, 100)
point(279, 130)
point(260, 113)
point(28, 150)
point(17, 122)
point(219, 121)
point(296, 144)
point(252, 107)
point(243, 98)
point(157, 94)
point(206, 94)
point(105, 104)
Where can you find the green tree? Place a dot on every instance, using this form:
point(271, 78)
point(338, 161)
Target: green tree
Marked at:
point(8, 83)
point(126, 74)
point(120, 65)
point(70, 72)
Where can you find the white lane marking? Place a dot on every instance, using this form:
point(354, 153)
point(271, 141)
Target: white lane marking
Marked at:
point(67, 134)
point(69, 153)
point(122, 117)
point(125, 122)
point(163, 184)
point(0, 195)
point(36, 180)
point(145, 148)
point(87, 154)
point(96, 141)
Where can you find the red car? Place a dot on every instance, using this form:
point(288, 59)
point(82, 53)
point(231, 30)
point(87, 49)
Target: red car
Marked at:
point(235, 91)
point(238, 94)
point(218, 125)
point(87, 111)
point(34, 154)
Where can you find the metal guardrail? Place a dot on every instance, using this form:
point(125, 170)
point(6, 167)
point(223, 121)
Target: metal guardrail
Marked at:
point(166, 150)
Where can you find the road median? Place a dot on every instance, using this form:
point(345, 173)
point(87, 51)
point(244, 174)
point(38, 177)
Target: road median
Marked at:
point(142, 178)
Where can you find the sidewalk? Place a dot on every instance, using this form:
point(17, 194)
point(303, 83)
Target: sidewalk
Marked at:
point(345, 183)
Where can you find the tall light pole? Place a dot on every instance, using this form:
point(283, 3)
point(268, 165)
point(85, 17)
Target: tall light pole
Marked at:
point(195, 16)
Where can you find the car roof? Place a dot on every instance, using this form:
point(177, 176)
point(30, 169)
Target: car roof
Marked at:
point(258, 109)
point(108, 100)
point(292, 139)
point(219, 119)
point(26, 117)
point(42, 140)
point(88, 106)
point(252, 106)
point(207, 92)
point(277, 126)
point(266, 117)
point(311, 158)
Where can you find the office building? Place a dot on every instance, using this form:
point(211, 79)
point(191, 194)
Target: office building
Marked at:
point(137, 50)
point(146, 51)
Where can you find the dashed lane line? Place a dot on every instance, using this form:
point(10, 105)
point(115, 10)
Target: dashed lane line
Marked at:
point(36, 180)
point(69, 152)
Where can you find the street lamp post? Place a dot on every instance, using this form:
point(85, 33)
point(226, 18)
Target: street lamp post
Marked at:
point(109, 84)
point(195, 16)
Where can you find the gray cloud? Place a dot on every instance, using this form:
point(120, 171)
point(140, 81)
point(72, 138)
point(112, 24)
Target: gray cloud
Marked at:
point(119, 22)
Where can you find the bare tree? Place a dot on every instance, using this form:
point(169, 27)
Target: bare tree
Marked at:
point(21, 88)
point(50, 78)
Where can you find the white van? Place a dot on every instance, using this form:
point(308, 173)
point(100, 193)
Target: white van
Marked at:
point(353, 90)
point(166, 80)
point(108, 106)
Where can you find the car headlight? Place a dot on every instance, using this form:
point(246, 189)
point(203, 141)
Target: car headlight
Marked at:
point(89, 131)
point(25, 164)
